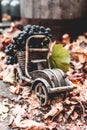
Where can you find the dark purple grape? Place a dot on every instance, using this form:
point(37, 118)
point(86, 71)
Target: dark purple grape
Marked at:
point(48, 30)
point(13, 42)
point(31, 32)
point(15, 39)
point(9, 60)
point(27, 30)
point(7, 51)
point(19, 39)
point(26, 35)
point(41, 33)
point(19, 42)
point(46, 33)
point(33, 26)
point(27, 27)
point(42, 28)
point(37, 28)
point(35, 33)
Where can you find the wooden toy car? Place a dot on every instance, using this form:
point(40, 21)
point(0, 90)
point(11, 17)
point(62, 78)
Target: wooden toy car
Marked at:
point(34, 68)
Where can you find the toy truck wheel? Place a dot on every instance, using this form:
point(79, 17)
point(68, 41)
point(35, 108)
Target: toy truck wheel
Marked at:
point(41, 93)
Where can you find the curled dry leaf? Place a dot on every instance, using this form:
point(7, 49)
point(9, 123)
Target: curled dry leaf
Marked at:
point(74, 116)
point(2, 55)
point(11, 120)
point(18, 109)
point(69, 102)
point(14, 90)
point(26, 93)
point(55, 111)
point(32, 100)
point(83, 94)
point(18, 119)
point(51, 124)
point(17, 115)
point(3, 108)
point(73, 127)
point(69, 112)
point(9, 75)
point(32, 125)
point(1, 75)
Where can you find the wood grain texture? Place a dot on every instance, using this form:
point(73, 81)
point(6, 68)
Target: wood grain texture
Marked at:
point(26, 8)
point(53, 9)
point(0, 11)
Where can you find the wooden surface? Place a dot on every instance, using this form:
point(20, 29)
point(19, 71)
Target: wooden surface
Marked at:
point(53, 9)
point(0, 11)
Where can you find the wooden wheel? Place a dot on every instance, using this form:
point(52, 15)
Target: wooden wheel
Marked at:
point(41, 93)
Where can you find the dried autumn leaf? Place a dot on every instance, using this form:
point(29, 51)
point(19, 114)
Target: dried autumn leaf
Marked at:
point(11, 120)
point(74, 116)
point(73, 127)
point(2, 55)
point(3, 108)
point(69, 112)
point(9, 75)
point(1, 75)
point(83, 94)
point(32, 100)
point(60, 118)
point(51, 124)
point(14, 90)
point(18, 109)
point(17, 115)
point(55, 111)
point(67, 101)
point(26, 92)
point(18, 119)
point(32, 125)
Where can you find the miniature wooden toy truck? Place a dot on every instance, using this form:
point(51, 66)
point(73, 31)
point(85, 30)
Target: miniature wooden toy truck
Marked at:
point(34, 68)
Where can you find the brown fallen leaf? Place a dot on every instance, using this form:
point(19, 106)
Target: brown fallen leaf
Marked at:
point(69, 112)
point(32, 100)
point(55, 111)
point(3, 108)
point(14, 90)
point(11, 120)
point(51, 124)
point(18, 119)
point(18, 109)
point(32, 125)
point(8, 75)
point(1, 75)
point(74, 116)
point(17, 114)
point(83, 94)
point(73, 127)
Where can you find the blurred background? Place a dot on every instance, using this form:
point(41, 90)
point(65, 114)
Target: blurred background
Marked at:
point(60, 15)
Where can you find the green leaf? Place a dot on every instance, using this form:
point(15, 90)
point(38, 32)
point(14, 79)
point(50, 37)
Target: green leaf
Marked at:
point(60, 58)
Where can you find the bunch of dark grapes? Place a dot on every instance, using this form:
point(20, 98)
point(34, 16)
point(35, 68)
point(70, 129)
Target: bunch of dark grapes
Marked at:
point(19, 42)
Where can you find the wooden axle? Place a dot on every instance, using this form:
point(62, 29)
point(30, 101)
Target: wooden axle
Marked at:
point(60, 89)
